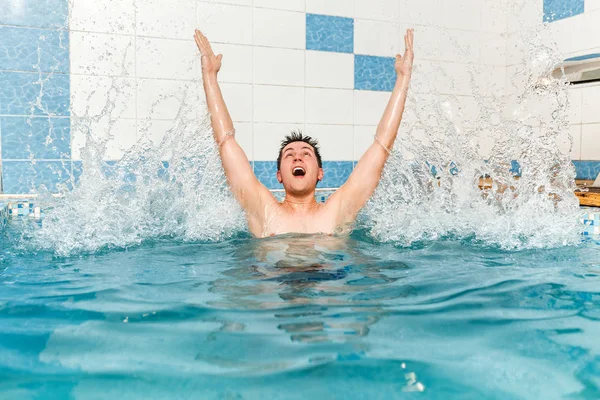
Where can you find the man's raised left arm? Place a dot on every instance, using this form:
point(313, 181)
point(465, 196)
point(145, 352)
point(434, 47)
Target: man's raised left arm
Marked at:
point(361, 184)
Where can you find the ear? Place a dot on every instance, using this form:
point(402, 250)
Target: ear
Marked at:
point(320, 175)
point(279, 178)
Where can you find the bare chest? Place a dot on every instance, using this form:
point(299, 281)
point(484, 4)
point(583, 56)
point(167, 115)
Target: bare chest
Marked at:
point(281, 221)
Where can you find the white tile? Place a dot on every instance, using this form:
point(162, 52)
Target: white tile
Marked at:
point(493, 17)
point(376, 38)
point(101, 54)
point(276, 28)
point(245, 138)
point(423, 12)
point(268, 137)
point(154, 130)
point(290, 5)
point(329, 106)
point(575, 105)
point(369, 106)
point(237, 62)
point(590, 142)
point(166, 58)
point(120, 136)
point(108, 16)
point(363, 139)
point(235, 2)
point(335, 141)
point(590, 111)
point(591, 5)
point(163, 99)
point(576, 135)
point(490, 80)
point(281, 104)
point(238, 98)
point(94, 95)
point(175, 19)
point(493, 49)
point(339, 8)
point(329, 70)
point(274, 66)
point(381, 10)
point(527, 15)
point(462, 14)
point(515, 50)
point(225, 23)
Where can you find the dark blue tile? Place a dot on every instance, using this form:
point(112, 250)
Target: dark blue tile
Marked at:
point(374, 73)
point(327, 33)
point(35, 13)
point(32, 49)
point(22, 177)
point(39, 137)
point(335, 173)
point(560, 9)
point(587, 169)
point(26, 93)
point(266, 172)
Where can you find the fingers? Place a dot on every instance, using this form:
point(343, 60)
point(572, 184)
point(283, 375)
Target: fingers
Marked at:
point(202, 43)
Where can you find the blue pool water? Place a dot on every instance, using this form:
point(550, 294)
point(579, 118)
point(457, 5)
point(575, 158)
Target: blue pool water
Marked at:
point(300, 317)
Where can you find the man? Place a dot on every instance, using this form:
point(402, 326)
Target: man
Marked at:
point(299, 162)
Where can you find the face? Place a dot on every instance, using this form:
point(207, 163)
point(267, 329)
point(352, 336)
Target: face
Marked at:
point(299, 171)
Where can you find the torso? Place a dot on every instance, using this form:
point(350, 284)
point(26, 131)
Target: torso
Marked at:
point(279, 219)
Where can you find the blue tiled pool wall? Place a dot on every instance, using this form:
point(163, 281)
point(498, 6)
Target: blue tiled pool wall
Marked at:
point(34, 59)
point(33, 128)
point(555, 10)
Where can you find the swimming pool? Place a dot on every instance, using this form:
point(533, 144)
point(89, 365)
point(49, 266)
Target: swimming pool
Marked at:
point(300, 317)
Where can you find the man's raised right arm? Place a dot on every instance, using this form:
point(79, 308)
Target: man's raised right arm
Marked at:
point(250, 193)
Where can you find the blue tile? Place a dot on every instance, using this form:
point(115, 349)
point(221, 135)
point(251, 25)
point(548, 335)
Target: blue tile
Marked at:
point(266, 172)
point(19, 49)
point(335, 173)
point(587, 169)
point(560, 9)
point(20, 94)
point(22, 177)
point(327, 33)
point(35, 13)
point(40, 137)
point(374, 73)
point(584, 57)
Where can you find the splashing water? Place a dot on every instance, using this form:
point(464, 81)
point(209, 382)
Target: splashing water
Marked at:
point(430, 187)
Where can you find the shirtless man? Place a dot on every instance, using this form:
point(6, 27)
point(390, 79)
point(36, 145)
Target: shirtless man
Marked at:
point(299, 168)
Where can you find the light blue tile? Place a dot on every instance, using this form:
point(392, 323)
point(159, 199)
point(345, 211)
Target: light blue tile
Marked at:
point(560, 9)
point(327, 33)
point(584, 57)
point(22, 177)
point(335, 173)
point(40, 137)
point(20, 94)
point(35, 13)
point(266, 172)
point(587, 169)
point(374, 73)
point(32, 49)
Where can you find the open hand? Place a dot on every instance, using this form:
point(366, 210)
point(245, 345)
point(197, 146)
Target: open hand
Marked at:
point(210, 62)
point(404, 63)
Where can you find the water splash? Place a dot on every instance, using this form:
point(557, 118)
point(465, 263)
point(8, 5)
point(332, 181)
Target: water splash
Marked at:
point(430, 187)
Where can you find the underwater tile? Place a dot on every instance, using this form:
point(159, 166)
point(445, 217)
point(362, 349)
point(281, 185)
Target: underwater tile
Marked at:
point(374, 73)
point(32, 49)
point(335, 173)
point(35, 13)
point(27, 93)
point(266, 172)
point(555, 10)
point(588, 170)
point(37, 137)
point(328, 33)
point(23, 177)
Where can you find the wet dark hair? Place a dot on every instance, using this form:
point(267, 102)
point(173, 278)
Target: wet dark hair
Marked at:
point(297, 136)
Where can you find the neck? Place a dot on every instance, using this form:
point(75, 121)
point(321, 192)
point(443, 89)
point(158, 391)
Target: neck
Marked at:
point(300, 202)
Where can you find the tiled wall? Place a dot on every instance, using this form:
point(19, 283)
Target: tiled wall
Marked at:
point(576, 29)
point(323, 66)
point(34, 94)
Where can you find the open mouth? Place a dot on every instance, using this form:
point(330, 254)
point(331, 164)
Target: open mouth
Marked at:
point(298, 171)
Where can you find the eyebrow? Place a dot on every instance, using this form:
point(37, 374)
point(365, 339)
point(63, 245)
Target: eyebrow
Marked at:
point(302, 148)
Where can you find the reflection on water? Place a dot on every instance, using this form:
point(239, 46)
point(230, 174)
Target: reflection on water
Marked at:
point(338, 317)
